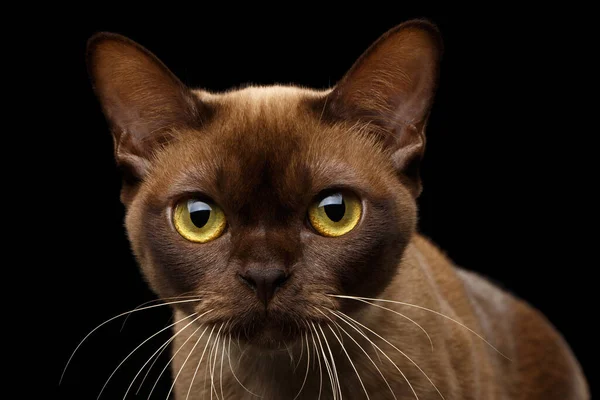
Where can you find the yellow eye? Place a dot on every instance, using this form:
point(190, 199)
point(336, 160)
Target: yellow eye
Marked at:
point(199, 221)
point(336, 214)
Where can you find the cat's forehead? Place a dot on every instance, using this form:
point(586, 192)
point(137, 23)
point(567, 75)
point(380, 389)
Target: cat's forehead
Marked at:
point(272, 108)
point(268, 144)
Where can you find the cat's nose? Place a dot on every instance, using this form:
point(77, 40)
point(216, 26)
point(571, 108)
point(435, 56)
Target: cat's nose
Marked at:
point(264, 282)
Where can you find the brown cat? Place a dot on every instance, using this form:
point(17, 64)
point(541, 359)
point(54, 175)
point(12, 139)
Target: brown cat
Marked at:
point(280, 223)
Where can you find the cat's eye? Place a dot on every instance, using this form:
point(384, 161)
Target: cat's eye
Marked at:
point(335, 214)
point(199, 221)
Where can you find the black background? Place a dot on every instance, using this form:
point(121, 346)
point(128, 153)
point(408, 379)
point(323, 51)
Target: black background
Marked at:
point(499, 188)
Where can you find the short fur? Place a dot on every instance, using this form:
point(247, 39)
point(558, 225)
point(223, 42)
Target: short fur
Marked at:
point(264, 154)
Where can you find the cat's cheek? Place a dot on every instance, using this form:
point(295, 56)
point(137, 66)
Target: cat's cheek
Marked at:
point(375, 256)
point(187, 267)
point(164, 257)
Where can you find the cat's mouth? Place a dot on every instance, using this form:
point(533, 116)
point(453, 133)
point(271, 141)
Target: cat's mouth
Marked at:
point(268, 333)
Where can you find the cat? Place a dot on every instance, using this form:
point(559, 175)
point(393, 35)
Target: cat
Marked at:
point(279, 223)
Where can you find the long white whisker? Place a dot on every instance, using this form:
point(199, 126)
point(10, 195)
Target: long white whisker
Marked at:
point(140, 345)
point(403, 316)
point(307, 366)
point(364, 351)
point(326, 362)
point(319, 359)
point(401, 352)
point(301, 354)
point(158, 301)
point(199, 363)
point(187, 358)
point(372, 345)
point(350, 359)
point(370, 359)
point(212, 370)
point(343, 319)
point(222, 359)
point(207, 367)
point(169, 362)
point(160, 349)
point(112, 319)
point(156, 358)
point(425, 309)
point(233, 373)
point(334, 367)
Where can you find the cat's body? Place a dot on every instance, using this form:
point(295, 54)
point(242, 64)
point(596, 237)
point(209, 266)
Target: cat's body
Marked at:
point(305, 207)
point(461, 365)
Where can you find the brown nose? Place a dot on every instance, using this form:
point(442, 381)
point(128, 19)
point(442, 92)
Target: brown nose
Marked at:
point(264, 282)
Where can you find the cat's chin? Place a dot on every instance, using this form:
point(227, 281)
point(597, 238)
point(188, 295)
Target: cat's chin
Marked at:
point(265, 343)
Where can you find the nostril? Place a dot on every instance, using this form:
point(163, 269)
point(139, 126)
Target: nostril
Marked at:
point(248, 281)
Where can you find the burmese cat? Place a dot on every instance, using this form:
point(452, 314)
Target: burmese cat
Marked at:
point(281, 224)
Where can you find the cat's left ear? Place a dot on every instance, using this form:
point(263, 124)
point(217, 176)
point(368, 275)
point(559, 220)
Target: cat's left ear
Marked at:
point(391, 87)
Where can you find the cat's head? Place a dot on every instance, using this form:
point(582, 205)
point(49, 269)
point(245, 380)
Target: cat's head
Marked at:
point(263, 201)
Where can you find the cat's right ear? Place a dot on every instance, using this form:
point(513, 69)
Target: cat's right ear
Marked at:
point(142, 100)
point(390, 89)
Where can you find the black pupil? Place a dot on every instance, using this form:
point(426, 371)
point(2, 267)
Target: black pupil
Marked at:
point(335, 212)
point(200, 218)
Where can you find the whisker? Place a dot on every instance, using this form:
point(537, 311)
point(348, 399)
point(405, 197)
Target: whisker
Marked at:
point(161, 349)
point(140, 345)
point(364, 351)
point(319, 358)
point(338, 329)
point(401, 352)
point(186, 358)
point(158, 301)
point(333, 366)
point(164, 347)
point(169, 362)
point(199, 363)
point(301, 354)
point(403, 316)
point(326, 362)
point(307, 366)
point(233, 373)
point(425, 309)
point(112, 319)
point(342, 316)
point(242, 354)
point(207, 367)
point(222, 358)
point(289, 351)
point(376, 351)
point(212, 370)
point(351, 363)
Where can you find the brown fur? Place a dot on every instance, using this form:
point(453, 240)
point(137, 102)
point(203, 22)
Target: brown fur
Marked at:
point(263, 154)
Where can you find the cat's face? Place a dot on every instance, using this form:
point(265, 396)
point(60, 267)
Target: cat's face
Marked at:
point(264, 167)
point(264, 200)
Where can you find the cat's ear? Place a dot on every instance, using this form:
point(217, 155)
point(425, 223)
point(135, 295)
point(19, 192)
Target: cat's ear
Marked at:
point(142, 100)
point(391, 87)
